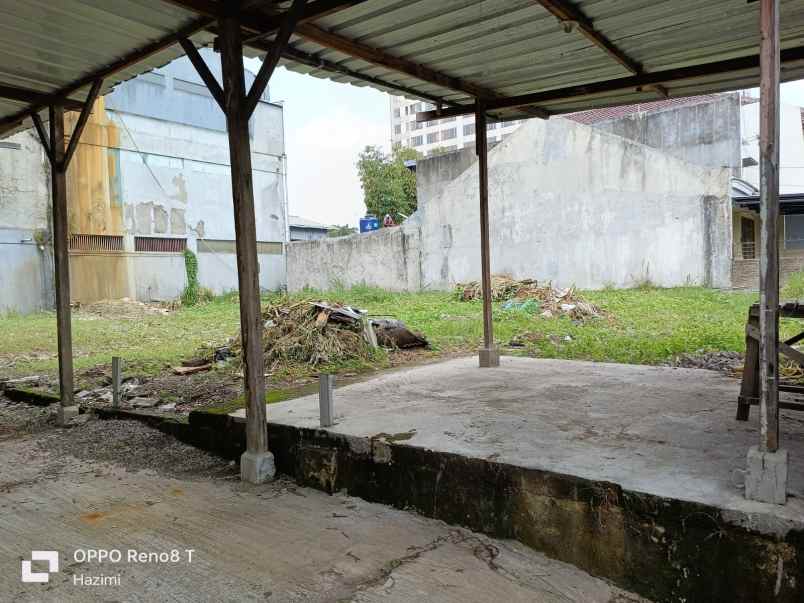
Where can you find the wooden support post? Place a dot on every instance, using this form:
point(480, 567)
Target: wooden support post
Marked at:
point(256, 464)
point(749, 388)
point(58, 175)
point(117, 380)
point(769, 215)
point(489, 355)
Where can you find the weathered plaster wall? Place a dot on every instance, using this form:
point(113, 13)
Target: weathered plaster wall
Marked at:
point(153, 161)
point(568, 203)
point(387, 258)
point(26, 271)
point(705, 133)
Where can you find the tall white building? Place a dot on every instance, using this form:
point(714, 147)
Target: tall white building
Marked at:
point(440, 135)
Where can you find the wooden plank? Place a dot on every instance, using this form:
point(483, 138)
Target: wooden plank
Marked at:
point(86, 110)
point(203, 70)
point(61, 258)
point(481, 141)
point(769, 217)
point(234, 93)
point(749, 387)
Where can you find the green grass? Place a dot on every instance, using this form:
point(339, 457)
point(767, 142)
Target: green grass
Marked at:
point(646, 325)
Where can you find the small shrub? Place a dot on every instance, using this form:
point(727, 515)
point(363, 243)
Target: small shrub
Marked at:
point(189, 297)
point(793, 289)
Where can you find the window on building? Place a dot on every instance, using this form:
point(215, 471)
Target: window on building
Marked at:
point(414, 125)
point(398, 129)
point(492, 125)
point(794, 232)
point(430, 124)
point(396, 112)
point(468, 129)
point(747, 239)
point(449, 134)
point(429, 107)
point(432, 137)
point(417, 141)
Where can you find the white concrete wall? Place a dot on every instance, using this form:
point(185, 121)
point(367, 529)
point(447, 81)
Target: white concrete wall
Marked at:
point(218, 271)
point(387, 258)
point(26, 268)
point(567, 203)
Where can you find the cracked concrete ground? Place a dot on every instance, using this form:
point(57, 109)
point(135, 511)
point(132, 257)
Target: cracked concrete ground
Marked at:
point(276, 542)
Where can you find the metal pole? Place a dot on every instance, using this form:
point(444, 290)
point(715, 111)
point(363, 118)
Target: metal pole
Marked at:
point(257, 463)
point(326, 398)
point(769, 214)
point(489, 356)
point(58, 175)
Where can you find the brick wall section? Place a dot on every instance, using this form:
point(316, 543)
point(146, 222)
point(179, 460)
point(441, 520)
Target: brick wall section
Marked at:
point(745, 273)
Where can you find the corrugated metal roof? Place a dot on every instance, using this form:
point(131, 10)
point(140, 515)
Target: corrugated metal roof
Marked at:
point(300, 222)
point(46, 45)
point(511, 47)
point(517, 46)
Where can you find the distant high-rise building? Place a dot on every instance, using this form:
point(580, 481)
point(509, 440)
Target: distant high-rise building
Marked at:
point(440, 135)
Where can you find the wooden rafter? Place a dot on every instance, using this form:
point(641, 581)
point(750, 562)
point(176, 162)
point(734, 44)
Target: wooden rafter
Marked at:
point(399, 64)
point(668, 76)
point(573, 17)
point(82, 120)
point(203, 70)
point(261, 25)
point(34, 97)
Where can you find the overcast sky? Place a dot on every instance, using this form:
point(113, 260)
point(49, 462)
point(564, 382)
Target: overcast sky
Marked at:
point(327, 124)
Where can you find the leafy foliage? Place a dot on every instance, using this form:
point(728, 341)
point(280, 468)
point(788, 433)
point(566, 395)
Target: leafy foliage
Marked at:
point(388, 186)
point(341, 231)
point(189, 297)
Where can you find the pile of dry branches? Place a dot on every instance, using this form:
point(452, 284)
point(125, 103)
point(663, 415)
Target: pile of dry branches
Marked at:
point(551, 301)
point(309, 332)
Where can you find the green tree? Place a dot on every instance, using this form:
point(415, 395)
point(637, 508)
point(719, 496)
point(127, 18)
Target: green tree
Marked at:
point(341, 231)
point(388, 186)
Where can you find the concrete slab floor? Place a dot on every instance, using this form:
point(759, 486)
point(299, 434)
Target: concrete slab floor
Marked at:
point(664, 431)
point(272, 542)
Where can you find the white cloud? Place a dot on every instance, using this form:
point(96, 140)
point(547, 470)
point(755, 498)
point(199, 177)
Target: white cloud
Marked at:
point(322, 177)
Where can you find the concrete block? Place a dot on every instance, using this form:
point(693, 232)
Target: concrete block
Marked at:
point(489, 357)
point(66, 414)
point(766, 476)
point(257, 467)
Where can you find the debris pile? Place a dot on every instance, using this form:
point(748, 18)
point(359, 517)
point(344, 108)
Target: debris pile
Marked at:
point(122, 309)
point(529, 295)
point(317, 332)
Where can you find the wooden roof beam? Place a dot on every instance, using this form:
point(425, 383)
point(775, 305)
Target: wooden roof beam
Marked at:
point(573, 17)
point(381, 58)
point(34, 97)
point(668, 76)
